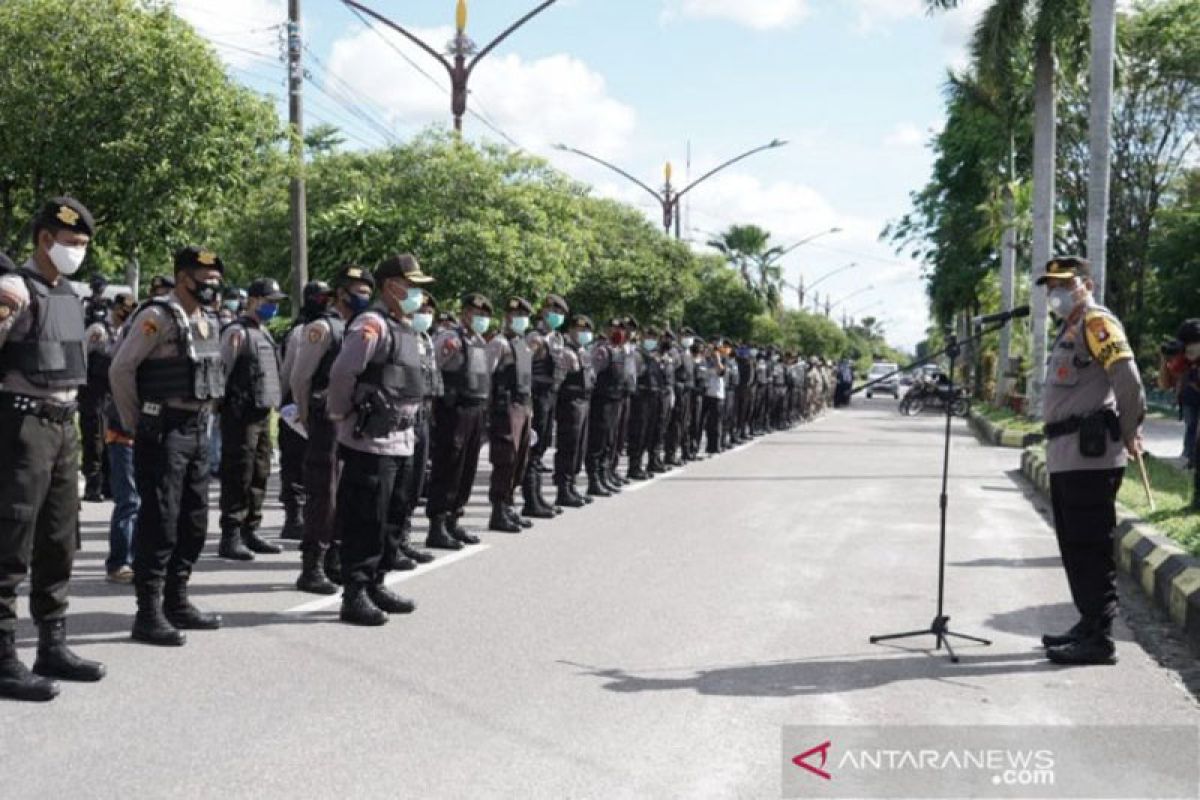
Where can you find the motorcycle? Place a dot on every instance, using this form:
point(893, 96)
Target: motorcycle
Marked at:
point(935, 393)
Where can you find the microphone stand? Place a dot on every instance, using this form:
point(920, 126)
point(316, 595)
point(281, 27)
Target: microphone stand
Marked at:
point(940, 627)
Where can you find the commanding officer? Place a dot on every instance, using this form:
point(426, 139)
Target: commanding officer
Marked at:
point(166, 376)
point(252, 392)
point(316, 348)
point(574, 401)
point(510, 418)
point(1093, 404)
point(375, 392)
point(42, 365)
point(100, 336)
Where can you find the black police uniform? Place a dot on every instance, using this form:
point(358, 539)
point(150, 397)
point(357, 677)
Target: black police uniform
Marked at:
point(509, 428)
point(91, 411)
point(574, 400)
point(676, 443)
point(608, 393)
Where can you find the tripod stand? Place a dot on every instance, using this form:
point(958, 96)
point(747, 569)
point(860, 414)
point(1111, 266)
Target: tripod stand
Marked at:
point(940, 627)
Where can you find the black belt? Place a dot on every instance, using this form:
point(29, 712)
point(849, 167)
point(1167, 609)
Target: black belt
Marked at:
point(38, 407)
point(1070, 425)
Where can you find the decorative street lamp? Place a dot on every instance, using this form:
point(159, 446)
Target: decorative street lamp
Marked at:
point(830, 306)
point(668, 198)
point(460, 47)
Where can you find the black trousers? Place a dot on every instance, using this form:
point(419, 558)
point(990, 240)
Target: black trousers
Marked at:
point(245, 468)
point(170, 466)
point(1084, 504)
point(292, 448)
point(571, 418)
point(603, 416)
point(320, 481)
point(91, 428)
point(745, 408)
point(545, 406)
point(371, 509)
point(621, 431)
point(696, 419)
point(676, 438)
point(509, 426)
point(458, 431)
point(712, 413)
point(39, 514)
point(730, 415)
point(422, 436)
point(644, 415)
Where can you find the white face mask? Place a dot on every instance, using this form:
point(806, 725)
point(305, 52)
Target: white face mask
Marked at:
point(67, 260)
point(1192, 351)
point(1061, 300)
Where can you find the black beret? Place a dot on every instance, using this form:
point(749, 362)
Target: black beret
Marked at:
point(477, 302)
point(314, 289)
point(65, 213)
point(353, 272)
point(267, 288)
point(193, 257)
point(518, 306)
point(582, 321)
point(403, 265)
point(555, 301)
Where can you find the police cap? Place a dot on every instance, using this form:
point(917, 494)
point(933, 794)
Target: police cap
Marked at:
point(477, 302)
point(162, 282)
point(196, 257)
point(518, 306)
point(64, 214)
point(1065, 267)
point(266, 288)
point(403, 265)
point(557, 303)
point(353, 272)
point(314, 290)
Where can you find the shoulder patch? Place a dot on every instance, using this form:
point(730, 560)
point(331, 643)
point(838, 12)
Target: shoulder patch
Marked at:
point(314, 334)
point(372, 328)
point(1106, 340)
point(149, 327)
point(5, 312)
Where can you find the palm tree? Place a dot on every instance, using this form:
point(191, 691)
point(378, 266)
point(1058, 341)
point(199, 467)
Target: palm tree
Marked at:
point(748, 249)
point(1104, 33)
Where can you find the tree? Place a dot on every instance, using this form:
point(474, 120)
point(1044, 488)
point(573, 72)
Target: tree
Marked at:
point(748, 249)
point(157, 147)
point(723, 304)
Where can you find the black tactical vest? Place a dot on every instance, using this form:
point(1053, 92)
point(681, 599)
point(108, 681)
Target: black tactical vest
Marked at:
point(98, 363)
point(471, 382)
point(700, 374)
point(547, 371)
point(255, 374)
point(196, 371)
point(513, 382)
point(685, 370)
point(745, 371)
point(337, 332)
point(52, 355)
point(429, 368)
point(578, 383)
point(652, 378)
point(396, 370)
point(778, 378)
point(610, 384)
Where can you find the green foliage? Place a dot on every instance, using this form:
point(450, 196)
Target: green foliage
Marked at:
point(723, 304)
point(748, 249)
point(123, 105)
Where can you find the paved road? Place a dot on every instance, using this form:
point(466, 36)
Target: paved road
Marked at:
point(648, 646)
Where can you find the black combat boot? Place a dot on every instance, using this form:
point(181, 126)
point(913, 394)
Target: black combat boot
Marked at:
point(530, 486)
point(635, 472)
point(565, 498)
point(459, 532)
point(256, 544)
point(150, 625)
point(1080, 629)
point(575, 492)
point(312, 574)
point(511, 511)
point(91, 490)
point(387, 600)
point(595, 488)
point(180, 612)
point(231, 547)
point(553, 508)
point(1095, 646)
point(55, 659)
point(406, 548)
point(439, 537)
point(333, 563)
point(608, 479)
point(359, 609)
point(16, 681)
point(293, 521)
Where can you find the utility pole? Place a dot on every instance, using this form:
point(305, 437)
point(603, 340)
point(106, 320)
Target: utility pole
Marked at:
point(298, 200)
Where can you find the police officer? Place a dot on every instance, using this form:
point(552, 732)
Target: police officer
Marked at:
point(629, 334)
point(547, 347)
point(608, 363)
point(1093, 404)
point(252, 391)
point(423, 324)
point(166, 377)
point(42, 365)
point(717, 384)
point(101, 333)
point(699, 385)
point(644, 413)
point(676, 442)
point(511, 415)
point(459, 422)
point(732, 417)
point(375, 392)
point(317, 345)
point(574, 403)
point(745, 392)
point(161, 286)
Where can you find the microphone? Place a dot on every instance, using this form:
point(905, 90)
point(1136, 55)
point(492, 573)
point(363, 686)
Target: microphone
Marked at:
point(1003, 316)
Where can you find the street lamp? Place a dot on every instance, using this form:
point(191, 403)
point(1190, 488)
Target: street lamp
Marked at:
point(460, 47)
point(668, 198)
point(830, 306)
point(802, 288)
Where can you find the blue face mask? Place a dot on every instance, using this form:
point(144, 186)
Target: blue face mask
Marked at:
point(650, 344)
point(555, 320)
point(480, 324)
point(267, 311)
point(422, 322)
point(519, 325)
point(233, 305)
point(584, 338)
point(412, 302)
point(358, 302)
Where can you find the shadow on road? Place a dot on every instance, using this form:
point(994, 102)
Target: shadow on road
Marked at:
point(92, 627)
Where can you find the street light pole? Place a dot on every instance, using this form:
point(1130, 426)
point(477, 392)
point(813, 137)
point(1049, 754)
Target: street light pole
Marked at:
point(829, 307)
point(668, 198)
point(461, 47)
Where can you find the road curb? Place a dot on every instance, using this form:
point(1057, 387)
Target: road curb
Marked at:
point(993, 434)
point(1168, 575)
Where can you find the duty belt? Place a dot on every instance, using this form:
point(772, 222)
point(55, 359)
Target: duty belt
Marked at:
point(38, 407)
point(1070, 425)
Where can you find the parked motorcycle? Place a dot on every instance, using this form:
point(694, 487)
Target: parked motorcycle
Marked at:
point(933, 392)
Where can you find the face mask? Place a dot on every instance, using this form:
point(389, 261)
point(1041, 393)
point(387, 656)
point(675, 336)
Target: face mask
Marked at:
point(205, 293)
point(480, 324)
point(1061, 301)
point(650, 344)
point(67, 260)
point(358, 302)
point(232, 305)
point(688, 341)
point(267, 311)
point(752, 353)
point(422, 322)
point(617, 337)
point(1192, 351)
point(555, 320)
point(412, 301)
point(519, 325)
point(584, 338)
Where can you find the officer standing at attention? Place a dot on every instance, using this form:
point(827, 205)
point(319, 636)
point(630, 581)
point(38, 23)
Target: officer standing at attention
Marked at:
point(574, 402)
point(42, 365)
point(629, 343)
point(643, 415)
point(252, 392)
point(375, 392)
point(459, 422)
point(608, 363)
point(546, 346)
point(166, 376)
point(511, 415)
point(100, 335)
point(161, 286)
point(1093, 404)
point(422, 323)
point(316, 348)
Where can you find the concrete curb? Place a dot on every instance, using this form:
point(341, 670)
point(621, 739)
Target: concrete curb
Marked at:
point(993, 434)
point(1168, 575)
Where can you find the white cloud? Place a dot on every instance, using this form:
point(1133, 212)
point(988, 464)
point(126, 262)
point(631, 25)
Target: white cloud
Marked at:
point(537, 103)
point(246, 33)
point(756, 14)
point(956, 26)
point(905, 135)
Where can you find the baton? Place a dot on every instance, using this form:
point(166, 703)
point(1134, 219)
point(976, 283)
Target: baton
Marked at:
point(1145, 481)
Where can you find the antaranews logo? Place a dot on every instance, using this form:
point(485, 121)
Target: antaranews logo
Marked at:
point(819, 770)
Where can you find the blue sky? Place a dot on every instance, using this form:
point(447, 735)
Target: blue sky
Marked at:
point(854, 85)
